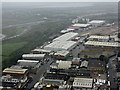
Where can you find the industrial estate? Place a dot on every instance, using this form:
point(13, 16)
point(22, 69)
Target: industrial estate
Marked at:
point(76, 60)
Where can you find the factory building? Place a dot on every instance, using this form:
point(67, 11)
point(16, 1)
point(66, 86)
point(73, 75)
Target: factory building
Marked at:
point(31, 65)
point(96, 44)
point(61, 45)
point(96, 65)
point(40, 51)
point(86, 83)
point(14, 77)
point(74, 27)
point(56, 76)
point(66, 37)
point(81, 25)
point(53, 82)
point(61, 54)
point(97, 23)
point(64, 64)
point(67, 30)
point(33, 56)
point(99, 38)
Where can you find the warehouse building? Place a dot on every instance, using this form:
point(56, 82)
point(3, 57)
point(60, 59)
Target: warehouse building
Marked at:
point(99, 38)
point(96, 44)
point(56, 76)
point(74, 27)
point(67, 30)
point(86, 83)
point(40, 51)
point(53, 82)
point(33, 56)
point(66, 37)
point(64, 64)
point(61, 54)
point(14, 77)
point(97, 23)
point(32, 65)
point(84, 64)
point(96, 65)
point(81, 25)
point(61, 45)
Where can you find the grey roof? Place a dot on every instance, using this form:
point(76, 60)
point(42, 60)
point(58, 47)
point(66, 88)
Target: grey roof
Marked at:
point(96, 63)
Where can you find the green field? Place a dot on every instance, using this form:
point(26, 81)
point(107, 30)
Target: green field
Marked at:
point(11, 47)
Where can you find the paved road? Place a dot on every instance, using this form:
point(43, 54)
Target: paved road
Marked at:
point(39, 74)
point(112, 72)
point(77, 50)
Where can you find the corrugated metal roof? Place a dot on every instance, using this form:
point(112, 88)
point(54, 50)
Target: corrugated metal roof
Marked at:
point(83, 82)
point(62, 53)
point(97, 21)
point(81, 25)
point(33, 55)
point(60, 45)
point(96, 43)
point(14, 70)
point(41, 50)
point(66, 36)
point(99, 37)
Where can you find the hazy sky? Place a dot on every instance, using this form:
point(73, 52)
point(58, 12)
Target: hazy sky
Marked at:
point(59, 0)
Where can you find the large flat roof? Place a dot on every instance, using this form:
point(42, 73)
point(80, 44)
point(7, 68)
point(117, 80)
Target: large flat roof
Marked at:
point(97, 21)
point(99, 37)
point(81, 25)
point(66, 36)
point(83, 82)
point(60, 45)
point(41, 50)
point(62, 53)
point(28, 61)
point(15, 70)
point(64, 64)
point(96, 43)
point(33, 55)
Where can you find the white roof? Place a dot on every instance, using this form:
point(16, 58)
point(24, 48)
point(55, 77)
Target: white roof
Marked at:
point(68, 30)
point(28, 61)
point(99, 37)
point(64, 64)
point(83, 82)
point(66, 36)
point(60, 45)
point(41, 50)
point(96, 43)
point(33, 55)
point(62, 53)
point(84, 64)
point(14, 70)
point(97, 21)
point(81, 25)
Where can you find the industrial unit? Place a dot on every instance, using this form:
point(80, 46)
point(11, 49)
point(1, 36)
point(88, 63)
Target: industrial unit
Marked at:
point(64, 64)
point(61, 45)
point(81, 25)
point(14, 77)
point(40, 51)
point(61, 54)
point(67, 30)
point(83, 83)
point(99, 38)
point(33, 56)
point(95, 44)
point(97, 23)
point(32, 65)
point(66, 37)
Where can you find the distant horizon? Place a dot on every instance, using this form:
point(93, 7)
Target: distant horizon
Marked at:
point(60, 1)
